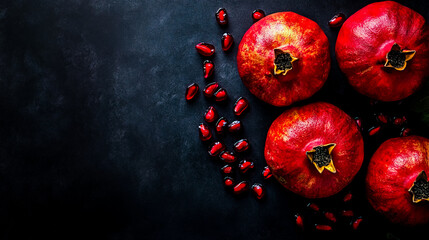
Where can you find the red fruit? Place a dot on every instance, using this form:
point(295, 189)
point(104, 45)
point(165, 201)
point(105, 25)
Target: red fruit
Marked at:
point(241, 187)
point(323, 227)
point(330, 216)
point(305, 141)
point(347, 197)
point(205, 49)
point(381, 45)
point(240, 106)
point(347, 213)
point(228, 182)
point(257, 15)
point(227, 169)
point(234, 126)
point(227, 157)
point(245, 166)
point(216, 148)
point(221, 16)
point(356, 223)
point(227, 41)
point(374, 130)
point(211, 114)
point(266, 173)
point(337, 20)
point(191, 91)
point(241, 145)
point(396, 182)
point(204, 132)
point(210, 89)
point(405, 132)
point(258, 190)
point(221, 124)
point(220, 95)
point(313, 206)
point(382, 118)
point(299, 221)
point(208, 68)
point(289, 63)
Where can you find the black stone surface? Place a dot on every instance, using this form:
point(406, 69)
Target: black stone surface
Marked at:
point(97, 140)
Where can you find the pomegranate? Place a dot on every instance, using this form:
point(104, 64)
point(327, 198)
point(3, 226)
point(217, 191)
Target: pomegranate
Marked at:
point(397, 183)
point(284, 58)
point(314, 150)
point(383, 49)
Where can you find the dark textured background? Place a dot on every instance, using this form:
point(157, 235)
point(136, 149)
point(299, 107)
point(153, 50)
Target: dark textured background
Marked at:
point(97, 140)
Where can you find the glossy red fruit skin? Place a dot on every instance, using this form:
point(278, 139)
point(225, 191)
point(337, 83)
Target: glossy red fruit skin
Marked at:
point(208, 68)
point(364, 41)
point(234, 127)
point(227, 157)
point(221, 125)
point(300, 129)
point(220, 95)
point(392, 170)
point(241, 187)
point(191, 91)
point(241, 145)
point(205, 49)
point(292, 33)
point(210, 89)
point(245, 166)
point(216, 148)
point(337, 20)
point(227, 41)
point(204, 132)
point(257, 15)
point(211, 114)
point(258, 190)
point(240, 106)
point(222, 16)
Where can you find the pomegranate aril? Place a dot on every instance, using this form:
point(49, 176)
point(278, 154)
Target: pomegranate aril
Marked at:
point(205, 49)
point(337, 20)
point(358, 122)
point(210, 89)
point(258, 190)
point(234, 126)
point(228, 182)
point(211, 115)
point(299, 221)
point(405, 132)
point(347, 197)
point(241, 145)
point(227, 169)
point(356, 223)
point(221, 125)
point(227, 41)
point(208, 68)
point(347, 213)
point(374, 130)
point(221, 16)
point(245, 166)
point(240, 106)
point(313, 206)
point(204, 132)
point(227, 157)
point(398, 121)
point(322, 227)
point(266, 173)
point(216, 148)
point(191, 91)
point(220, 95)
point(382, 118)
point(330, 216)
point(257, 15)
point(241, 187)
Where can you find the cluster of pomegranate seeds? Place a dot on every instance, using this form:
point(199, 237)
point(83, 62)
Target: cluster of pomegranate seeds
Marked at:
point(210, 89)
point(216, 148)
point(220, 95)
point(235, 126)
point(208, 68)
point(241, 187)
point(227, 41)
point(221, 16)
point(205, 49)
point(337, 20)
point(257, 15)
point(221, 125)
point(227, 157)
point(191, 91)
point(211, 114)
point(240, 106)
point(266, 173)
point(258, 190)
point(241, 145)
point(204, 132)
point(245, 166)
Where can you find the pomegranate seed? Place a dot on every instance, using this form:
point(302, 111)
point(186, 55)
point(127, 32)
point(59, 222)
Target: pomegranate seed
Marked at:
point(398, 121)
point(227, 169)
point(216, 148)
point(227, 41)
point(191, 91)
point(405, 132)
point(299, 221)
point(204, 132)
point(228, 181)
point(221, 16)
point(359, 122)
point(313, 206)
point(221, 125)
point(323, 227)
point(211, 115)
point(330, 216)
point(257, 15)
point(205, 49)
point(240, 106)
point(374, 130)
point(241, 145)
point(245, 165)
point(266, 173)
point(241, 187)
point(356, 223)
point(404, 119)
point(347, 213)
point(258, 190)
point(227, 157)
point(208, 68)
point(220, 95)
point(382, 118)
point(347, 197)
point(337, 20)
point(210, 89)
point(234, 126)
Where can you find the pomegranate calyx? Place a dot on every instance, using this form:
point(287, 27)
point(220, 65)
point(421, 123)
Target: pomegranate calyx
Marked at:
point(321, 157)
point(282, 61)
point(420, 188)
point(397, 58)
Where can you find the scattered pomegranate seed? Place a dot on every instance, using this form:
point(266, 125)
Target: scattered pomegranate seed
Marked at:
point(347, 213)
point(266, 173)
point(245, 165)
point(337, 20)
point(210, 89)
point(240, 106)
point(221, 125)
point(208, 68)
point(404, 119)
point(374, 130)
point(205, 49)
point(322, 227)
point(241, 145)
point(211, 115)
point(191, 91)
point(227, 41)
point(359, 122)
point(228, 181)
point(227, 157)
point(405, 132)
point(234, 126)
point(221, 16)
point(257, 15)
point(204, 132)
point(216, 148)
point(382, 118)
point(347, 197)
point(313, 206)
point(220, 95)
point(227, 169)
point(398, 121)
point(330, 216)
point(299, 221)
point(258, 190)
point(241, 187)
point(356, 223)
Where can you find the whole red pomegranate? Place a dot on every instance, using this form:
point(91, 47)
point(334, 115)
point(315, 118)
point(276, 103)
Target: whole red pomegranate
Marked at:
point(383, 49)
point(284, 58)
point(314, 150)
point(397, 183)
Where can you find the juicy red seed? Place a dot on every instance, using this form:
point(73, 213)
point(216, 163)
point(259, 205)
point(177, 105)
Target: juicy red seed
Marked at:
point(405, 132)
point(356, 223)
point(210, 89)
point(228, 182)
point(204, 132)
point(245, 165)
point(398, 121)
point(205, 49)
point(323, 227)
point(240, 106)
point(347, 197)
point(221, 16)
point(234, 126)
point(404, 119)
point(313, 206)
point(347, 213)
point(227, 41)
point(216, 148)
point(208, 68)
point(191, 91)
point(211, 115)
point(241, 145)
point(227, 169)
point(258, 190)
point(241, 187)
point(221, 124)
point(337, 20)
point(299, 221)
point(257, 15)
point(220, 95)
point(330, 216)
point(358, 122)
point(266, 173)
point(374, 130)
point(382, 118)
point(227, 157)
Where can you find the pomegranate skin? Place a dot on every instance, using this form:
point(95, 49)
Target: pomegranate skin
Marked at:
point(392, 171)
point(295, 34)
point(364, 41)
point(297, 131)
